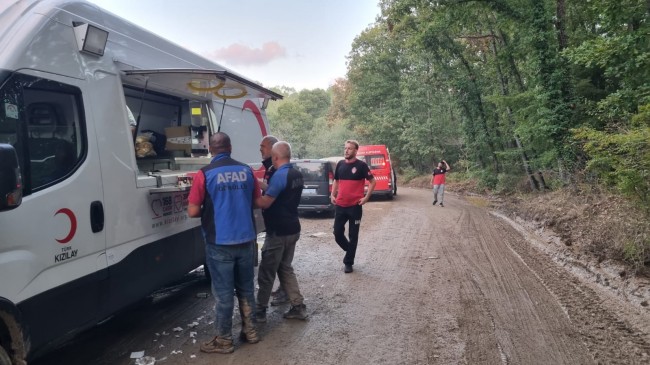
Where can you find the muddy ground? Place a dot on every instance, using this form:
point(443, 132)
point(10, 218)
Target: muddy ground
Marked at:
point(458, 284)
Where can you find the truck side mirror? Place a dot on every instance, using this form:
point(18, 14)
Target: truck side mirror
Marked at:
point(11, 185)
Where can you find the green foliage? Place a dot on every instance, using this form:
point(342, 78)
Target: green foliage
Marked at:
point(486, 180)
point(621, 160)
point(409, 173)
point(495, 87)
point(328, 141)
point(642, 119)
point(508, 183)
point(637, 253)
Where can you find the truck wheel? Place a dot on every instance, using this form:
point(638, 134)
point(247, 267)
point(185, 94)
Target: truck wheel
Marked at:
point(4, 358)
point(394, 183)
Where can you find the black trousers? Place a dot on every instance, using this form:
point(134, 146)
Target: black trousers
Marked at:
point(342, 216)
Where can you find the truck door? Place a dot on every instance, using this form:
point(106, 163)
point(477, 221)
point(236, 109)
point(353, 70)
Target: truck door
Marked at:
point(52, 246)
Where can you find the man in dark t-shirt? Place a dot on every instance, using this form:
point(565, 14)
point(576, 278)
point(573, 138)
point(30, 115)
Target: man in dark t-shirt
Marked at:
point(265, 150)
point(280, 211)
point(347, 196)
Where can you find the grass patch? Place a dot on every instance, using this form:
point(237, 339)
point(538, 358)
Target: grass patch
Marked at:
point(478, 201)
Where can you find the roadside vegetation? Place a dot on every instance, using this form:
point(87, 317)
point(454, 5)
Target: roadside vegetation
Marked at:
point(531, 101)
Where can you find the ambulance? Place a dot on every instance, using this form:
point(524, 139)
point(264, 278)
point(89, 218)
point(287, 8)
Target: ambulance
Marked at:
point(92, 202)
point(378, 159)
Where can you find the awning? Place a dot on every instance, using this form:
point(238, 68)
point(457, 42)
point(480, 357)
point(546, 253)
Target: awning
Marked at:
point(198, 83)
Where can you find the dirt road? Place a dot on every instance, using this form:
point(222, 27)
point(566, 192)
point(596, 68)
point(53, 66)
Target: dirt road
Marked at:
point(432, 285)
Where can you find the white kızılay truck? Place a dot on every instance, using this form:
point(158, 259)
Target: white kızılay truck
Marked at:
point(90, 222)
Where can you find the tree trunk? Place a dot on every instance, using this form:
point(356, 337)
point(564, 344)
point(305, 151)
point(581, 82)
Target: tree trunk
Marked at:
point(521, 87)
point(560, 18)
point(476, 95)
point(505, 92)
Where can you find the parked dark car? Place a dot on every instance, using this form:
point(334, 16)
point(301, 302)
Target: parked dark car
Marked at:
point(318, 176)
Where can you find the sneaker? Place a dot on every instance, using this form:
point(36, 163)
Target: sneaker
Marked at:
point(219, 345)
point(280, 297)
point(434, 202)
point(441, 205)
point(348, 269)
point(260, 315)
point(251, 336)
point(297, 312)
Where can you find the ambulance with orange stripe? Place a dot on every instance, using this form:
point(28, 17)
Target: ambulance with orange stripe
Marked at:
point(378, 159)
point(92, 202)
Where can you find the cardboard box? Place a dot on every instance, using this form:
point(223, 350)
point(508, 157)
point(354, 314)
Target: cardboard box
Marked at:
point(179, 139)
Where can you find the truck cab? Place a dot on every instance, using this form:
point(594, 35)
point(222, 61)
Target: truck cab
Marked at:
point(378, 159)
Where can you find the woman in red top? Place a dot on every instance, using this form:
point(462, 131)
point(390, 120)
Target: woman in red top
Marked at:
point(438, 181)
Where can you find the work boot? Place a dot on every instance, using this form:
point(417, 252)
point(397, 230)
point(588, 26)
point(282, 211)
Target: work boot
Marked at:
point(248, 332)
point(297, 312)
point(260, 315)
point(250, 337)
point(219, 345)
point(280, 297)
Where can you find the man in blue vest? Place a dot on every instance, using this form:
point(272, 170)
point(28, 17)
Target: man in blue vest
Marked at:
point(223, 194)
point(280, 204)
point(266, 145)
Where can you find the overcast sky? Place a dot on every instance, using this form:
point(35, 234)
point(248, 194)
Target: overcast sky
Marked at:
point(297, 43)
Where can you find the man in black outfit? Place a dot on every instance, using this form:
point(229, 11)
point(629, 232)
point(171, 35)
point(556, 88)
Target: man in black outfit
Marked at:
point(347, 196)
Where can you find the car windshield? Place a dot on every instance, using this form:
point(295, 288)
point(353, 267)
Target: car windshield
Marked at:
point(311, 170)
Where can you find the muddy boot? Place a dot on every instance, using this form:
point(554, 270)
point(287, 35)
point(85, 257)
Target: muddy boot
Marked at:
point(248, 332)
point(219, 345)
point(297, 312)
point(280, 297)
point(260, 315)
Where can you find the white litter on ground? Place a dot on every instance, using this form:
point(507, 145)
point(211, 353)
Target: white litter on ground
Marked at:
point(177, 329)
point(146, 360)
point(137, 354)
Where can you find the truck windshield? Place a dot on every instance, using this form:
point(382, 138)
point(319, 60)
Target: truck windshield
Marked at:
point(375, 162)
point(41, 119)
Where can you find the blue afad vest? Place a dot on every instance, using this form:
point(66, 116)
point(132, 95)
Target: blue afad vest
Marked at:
point(229, 188)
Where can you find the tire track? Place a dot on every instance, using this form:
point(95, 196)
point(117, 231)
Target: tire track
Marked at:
point(610, 339)
point(518, 322)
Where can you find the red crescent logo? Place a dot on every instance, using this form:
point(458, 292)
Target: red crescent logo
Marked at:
point(248, 104)
point(73, 225)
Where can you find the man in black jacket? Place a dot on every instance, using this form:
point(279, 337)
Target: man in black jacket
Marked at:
point(279, 297)
point(280, 211)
